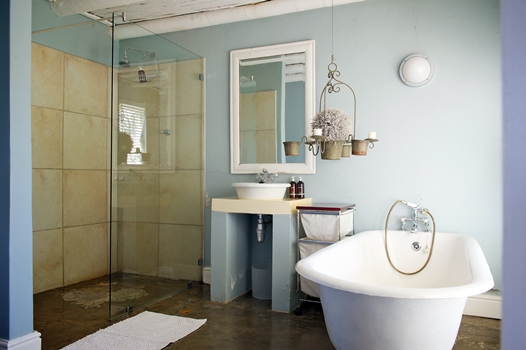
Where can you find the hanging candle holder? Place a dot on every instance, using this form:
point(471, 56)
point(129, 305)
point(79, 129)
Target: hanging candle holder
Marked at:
point(333, 132)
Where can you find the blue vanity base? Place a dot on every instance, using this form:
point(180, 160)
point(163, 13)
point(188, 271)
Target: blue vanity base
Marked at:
point(231, 258)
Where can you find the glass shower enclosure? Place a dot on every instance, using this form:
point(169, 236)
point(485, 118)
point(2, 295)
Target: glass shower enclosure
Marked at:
point(157, 163)
point(118, 142)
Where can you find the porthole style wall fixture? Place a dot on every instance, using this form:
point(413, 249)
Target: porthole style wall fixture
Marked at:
point(416, 70)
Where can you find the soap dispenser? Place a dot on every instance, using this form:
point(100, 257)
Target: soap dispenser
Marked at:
point(300, 189)
point(292, 189)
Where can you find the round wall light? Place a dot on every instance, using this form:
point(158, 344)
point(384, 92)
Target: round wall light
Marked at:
point(416, 70)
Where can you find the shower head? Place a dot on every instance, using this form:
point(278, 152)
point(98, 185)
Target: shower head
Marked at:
point(125, 62)
point(141, 76)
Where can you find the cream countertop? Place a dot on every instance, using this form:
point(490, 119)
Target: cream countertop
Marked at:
point(255, 206)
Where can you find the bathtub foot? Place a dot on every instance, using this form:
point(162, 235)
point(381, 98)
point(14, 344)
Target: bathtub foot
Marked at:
point(308, 299)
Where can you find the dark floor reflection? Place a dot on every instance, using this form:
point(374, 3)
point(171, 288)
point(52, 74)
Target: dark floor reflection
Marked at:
point(245, 323)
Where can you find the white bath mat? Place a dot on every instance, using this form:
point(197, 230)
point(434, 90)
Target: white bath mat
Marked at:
point(146, 331)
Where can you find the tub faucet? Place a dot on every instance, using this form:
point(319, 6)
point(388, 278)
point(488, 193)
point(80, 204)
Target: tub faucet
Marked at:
point(266, 177)
point(415, 219)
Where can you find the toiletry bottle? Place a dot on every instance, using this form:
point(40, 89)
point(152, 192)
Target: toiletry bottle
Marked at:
point(292, 189)
point(300, 189)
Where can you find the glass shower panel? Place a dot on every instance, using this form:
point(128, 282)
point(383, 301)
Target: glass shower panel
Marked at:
point(117, 161)
point(157, 171)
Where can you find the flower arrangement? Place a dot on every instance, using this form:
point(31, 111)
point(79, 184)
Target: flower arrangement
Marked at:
point(335, 123)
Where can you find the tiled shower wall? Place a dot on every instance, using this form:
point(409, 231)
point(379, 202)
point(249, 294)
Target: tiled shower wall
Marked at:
point(71, 181)
point(160, 216)
point(70, 133)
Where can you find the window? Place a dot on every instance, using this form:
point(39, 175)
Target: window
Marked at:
point(132, 121)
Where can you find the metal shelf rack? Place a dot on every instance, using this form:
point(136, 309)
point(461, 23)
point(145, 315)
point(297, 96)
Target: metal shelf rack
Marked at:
point(316, 229)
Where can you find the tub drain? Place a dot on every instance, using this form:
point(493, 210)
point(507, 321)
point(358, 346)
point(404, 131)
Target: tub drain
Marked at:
point(416, 246)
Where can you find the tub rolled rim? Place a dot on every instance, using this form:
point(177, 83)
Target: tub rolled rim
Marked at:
point(482, 279)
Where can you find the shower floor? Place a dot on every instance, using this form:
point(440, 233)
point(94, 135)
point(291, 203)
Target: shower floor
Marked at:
point(72, 309)
point(244, 323)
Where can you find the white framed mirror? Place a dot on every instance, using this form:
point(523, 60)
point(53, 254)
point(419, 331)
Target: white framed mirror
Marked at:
point(272, 100)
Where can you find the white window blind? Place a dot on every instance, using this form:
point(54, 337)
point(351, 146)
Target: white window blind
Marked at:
point(132, 120)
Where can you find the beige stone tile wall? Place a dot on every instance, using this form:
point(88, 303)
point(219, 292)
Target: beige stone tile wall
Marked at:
point(257, 127)
point(158, 205)
point(138, 248)
point(167, 190)
point(85, 252)
point(46, 137)
point(178, 253)
point(47, 199)
point(47, 77)
point(85, 87)
point(48, 266)
point(69, 122)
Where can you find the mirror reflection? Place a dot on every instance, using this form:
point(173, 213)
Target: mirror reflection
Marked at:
point(272, 102)
point(268, 86)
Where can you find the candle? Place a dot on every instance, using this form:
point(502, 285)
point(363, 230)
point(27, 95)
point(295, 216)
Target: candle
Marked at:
point(372, 135)
point(316, 132)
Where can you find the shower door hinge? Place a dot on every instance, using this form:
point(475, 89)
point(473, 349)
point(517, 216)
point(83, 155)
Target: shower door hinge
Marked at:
point(201, 77)
point(200, 262)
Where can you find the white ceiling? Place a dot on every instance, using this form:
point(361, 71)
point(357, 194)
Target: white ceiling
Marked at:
point(162, 16)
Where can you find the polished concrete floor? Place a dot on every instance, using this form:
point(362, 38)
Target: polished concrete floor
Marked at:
point(245, 323)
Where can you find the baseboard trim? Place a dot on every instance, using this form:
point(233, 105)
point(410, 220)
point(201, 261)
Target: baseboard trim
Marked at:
point(484, 305)
point(207, 271)
point(29, 341)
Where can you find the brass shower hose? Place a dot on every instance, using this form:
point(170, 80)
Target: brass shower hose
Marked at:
point(387, 248)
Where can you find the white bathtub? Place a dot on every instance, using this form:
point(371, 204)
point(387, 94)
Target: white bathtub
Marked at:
point(368, 305)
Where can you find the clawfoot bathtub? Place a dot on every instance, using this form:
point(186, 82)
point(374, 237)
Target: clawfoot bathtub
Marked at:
point(368, 305)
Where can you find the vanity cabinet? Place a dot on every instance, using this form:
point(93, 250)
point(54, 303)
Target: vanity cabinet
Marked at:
point(231, 249)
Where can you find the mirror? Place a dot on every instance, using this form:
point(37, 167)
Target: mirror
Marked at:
point(272, 100)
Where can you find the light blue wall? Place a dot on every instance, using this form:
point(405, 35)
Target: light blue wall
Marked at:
point(164, 49)
point(440, 144)
point(295, 111)
point(514, 127)
point(16, 257)
point(4, 176)
point(91, 41)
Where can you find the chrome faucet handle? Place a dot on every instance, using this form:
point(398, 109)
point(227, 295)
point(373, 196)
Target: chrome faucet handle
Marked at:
point(263, 175)
point(404, 221)
point(411, 205)
point(426, 222)
point(266, 177)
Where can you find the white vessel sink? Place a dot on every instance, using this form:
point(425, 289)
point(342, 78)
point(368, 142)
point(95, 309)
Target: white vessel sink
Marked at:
point(254, 190)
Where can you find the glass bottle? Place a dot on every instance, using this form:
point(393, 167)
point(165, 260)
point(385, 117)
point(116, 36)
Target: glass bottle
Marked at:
point(292, 189)
point(300, 189)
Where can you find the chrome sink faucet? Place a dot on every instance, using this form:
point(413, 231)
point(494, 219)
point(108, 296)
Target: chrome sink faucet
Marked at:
point(415, 219)
point(266, 177)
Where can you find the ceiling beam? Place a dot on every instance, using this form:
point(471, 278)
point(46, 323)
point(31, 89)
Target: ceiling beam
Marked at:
point(211, 18)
